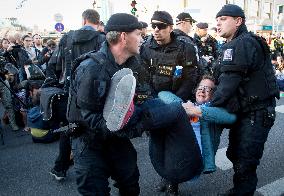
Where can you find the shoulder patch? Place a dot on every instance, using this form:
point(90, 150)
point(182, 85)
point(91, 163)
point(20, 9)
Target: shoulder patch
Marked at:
point(228, 55)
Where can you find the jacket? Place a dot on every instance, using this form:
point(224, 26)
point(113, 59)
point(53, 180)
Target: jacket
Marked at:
point(89, 89)
point(243, 64)
point(162, 61)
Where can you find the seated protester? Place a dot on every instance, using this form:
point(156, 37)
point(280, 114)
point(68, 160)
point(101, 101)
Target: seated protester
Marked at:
point(46, 54)
point(167, 146)
point(280, 72)
point(41, 131)
point(4, 45)
point(12, 76)
point(30, 71)
point(32, 52)
point(7, 99)
point(15, 52)
point(20, 97)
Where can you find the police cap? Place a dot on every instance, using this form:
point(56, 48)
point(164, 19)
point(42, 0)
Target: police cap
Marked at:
point(231, 10)
point(144, 24)
point(122, 22)
point(202, 25)
point(163, 16)
point(184, 17)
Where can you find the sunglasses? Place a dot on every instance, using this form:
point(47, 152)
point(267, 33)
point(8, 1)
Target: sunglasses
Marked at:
point(180, 21)
point(160, 26)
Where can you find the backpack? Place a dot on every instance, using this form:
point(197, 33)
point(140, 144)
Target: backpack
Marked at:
point(70, 51)
point(41, 130)
point(35, 72)
point(73, 114)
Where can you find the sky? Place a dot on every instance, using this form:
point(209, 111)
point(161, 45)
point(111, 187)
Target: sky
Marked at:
point(41, 12)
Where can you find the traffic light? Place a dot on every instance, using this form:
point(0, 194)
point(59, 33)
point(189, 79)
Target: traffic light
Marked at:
point(133, 10)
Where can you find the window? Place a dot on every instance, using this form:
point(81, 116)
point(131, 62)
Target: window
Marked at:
point(240, 3)
point(254, 6)
point(268, 9)
point(280, 9)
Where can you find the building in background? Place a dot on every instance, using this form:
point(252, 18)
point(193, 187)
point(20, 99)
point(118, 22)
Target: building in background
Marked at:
point(262, 15)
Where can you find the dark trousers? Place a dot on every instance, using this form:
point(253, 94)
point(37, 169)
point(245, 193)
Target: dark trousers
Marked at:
point(62, 161)
point(173, 147)
point(246, 145)
point(113, 157)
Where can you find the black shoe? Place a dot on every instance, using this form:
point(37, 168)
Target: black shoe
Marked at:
point(162, 186)
point(59, 175)
point(172, 190)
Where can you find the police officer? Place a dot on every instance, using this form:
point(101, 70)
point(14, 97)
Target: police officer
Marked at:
point(172, 64)
point(100, 154)
point(72, 45)
point(163, 54)
point(244, 63)
point(184, 25)
point(144, 30)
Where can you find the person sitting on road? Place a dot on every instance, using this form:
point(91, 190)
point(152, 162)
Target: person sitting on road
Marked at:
point(187, 144)
point(200, 116)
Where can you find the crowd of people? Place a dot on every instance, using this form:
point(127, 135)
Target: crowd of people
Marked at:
point(102, 85)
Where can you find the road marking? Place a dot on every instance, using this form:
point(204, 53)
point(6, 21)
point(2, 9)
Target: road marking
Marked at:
point(275, 188)
point(279, 109)
point(221, 160)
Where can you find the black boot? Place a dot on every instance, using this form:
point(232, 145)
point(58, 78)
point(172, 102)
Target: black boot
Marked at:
point(172, 190)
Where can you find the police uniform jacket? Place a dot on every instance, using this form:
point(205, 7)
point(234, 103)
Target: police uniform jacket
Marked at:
point(162, 61)
point(245, 74)
point(91, 85)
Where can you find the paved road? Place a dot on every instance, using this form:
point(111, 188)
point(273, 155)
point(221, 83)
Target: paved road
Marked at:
point(24, 167)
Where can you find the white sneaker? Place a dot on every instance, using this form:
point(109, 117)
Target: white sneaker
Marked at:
point(114, 82)
point(122, 106)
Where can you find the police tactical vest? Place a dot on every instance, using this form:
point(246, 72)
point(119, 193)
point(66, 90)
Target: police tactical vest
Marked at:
point(162, 65)
point(260, 84)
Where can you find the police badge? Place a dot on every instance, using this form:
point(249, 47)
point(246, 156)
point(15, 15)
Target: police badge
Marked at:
point(228, 55)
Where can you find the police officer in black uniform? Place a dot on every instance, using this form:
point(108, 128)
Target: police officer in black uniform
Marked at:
point(72, 45)
point(247, 86)
point(144, 30)
point(163, 53)
point(184, 25)
point(172, 64)
point(100, 154)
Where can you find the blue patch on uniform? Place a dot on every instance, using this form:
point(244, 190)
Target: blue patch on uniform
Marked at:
point(228, 55)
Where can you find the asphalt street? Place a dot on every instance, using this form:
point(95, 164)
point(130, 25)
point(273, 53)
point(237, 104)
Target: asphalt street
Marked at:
point(25, 166)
